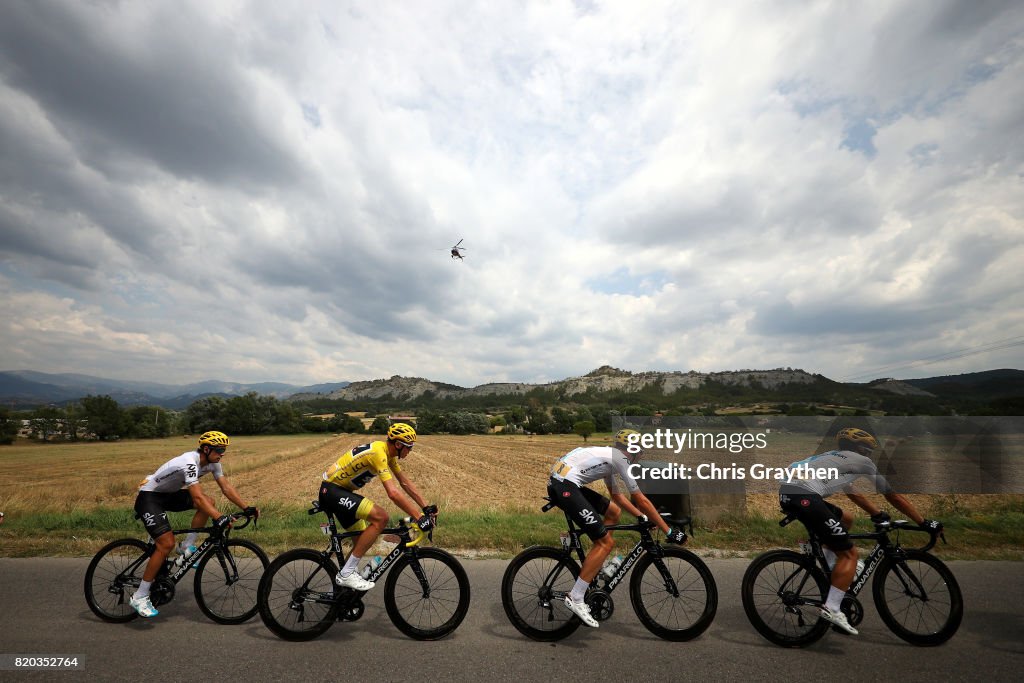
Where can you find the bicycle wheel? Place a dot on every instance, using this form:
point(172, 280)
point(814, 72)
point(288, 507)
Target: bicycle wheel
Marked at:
point(678, 610)
point(776, 588)
point(112, 577)
point(297, 594)
point(227, 582)
point(533, 592)
point(918, 598)
point(427, 595)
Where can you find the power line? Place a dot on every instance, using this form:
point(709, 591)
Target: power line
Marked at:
point(997, 345)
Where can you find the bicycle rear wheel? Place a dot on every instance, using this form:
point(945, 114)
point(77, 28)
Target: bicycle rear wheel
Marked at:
point(227, 581)
point(533, 592)
point(427, 595)
point(918, 598)
point(112, 577)
point(297, 596)
point(678, 604)
point(777, 589)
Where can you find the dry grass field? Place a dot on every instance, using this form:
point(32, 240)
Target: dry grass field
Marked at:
point(458, 472)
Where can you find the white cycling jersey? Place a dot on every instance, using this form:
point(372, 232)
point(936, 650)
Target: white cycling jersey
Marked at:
point(851, 467)
point(180, 472)
point(588, 464)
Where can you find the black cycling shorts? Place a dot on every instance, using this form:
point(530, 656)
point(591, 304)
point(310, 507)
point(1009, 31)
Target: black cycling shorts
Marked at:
point(347, 506)
point(152, 508)
point(585, 506)
point(823, 519)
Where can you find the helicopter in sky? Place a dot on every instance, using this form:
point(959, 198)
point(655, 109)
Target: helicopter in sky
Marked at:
point(457, 250)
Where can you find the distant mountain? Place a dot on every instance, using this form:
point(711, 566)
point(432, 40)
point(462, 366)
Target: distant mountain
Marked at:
point(24, 388)
point(988, 384)
point(604, 379)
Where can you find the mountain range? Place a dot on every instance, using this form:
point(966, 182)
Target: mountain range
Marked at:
point(30, 388)
point(23, 388)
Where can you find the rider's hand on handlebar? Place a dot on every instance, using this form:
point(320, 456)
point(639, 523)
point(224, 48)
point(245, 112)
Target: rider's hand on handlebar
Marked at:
point(675, 535)
point(932, 525)
point(881, 517)
point(222, 521)
point(425, 523)
point(252, 511)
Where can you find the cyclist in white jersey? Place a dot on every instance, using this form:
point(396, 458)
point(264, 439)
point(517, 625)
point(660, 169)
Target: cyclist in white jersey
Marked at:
point(593, 512)
point(805, 499)
point(174, 487)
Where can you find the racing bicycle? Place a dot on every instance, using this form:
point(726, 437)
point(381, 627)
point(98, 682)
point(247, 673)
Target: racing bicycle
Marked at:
point(426, 594)
point(228, 571)
point(915, 593)
point(672, 590)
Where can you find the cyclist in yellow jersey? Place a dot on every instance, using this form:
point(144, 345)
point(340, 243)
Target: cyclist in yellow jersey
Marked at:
point(355, 469)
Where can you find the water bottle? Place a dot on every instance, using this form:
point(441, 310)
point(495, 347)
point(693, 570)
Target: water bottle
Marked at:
point(611, 566)
point(371, 567)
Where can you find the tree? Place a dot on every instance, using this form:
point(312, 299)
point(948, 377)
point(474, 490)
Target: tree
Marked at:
point(45, 422)
point(380, 425)
point(584, 428)
point(104, 417)
point(8, 427)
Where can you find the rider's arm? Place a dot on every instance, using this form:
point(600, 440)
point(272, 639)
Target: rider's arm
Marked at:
point(230, 492)
point(400, 499)
point(647, 507)
point(203, 502)
point(905, 506)
point(410, 489)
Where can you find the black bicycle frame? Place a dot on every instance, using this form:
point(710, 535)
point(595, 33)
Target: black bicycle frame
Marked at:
point(571, 542)
point(883, 548)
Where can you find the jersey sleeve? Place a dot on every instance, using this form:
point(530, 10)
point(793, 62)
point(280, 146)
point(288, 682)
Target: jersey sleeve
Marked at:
point(621, 466)
point(217, 471)
point(191, 471)
point(379, 461)
point(867, 469)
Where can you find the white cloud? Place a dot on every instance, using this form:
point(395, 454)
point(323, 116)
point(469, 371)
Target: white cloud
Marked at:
point(248, 193)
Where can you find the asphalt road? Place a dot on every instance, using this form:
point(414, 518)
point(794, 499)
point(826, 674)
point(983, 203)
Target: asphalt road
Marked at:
point(43, 612)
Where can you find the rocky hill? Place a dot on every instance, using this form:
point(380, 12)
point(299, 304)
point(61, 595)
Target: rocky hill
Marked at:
point(604, 379)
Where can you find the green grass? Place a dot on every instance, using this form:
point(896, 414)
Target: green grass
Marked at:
point(994, 534)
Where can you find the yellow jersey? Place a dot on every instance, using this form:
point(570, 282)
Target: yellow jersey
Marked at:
point(357, 467)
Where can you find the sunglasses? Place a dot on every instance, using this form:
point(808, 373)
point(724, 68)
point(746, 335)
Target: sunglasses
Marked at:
point(220, 449)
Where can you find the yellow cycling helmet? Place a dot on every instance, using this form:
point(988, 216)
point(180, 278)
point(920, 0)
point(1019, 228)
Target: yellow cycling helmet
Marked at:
point(214, 439)
point(400, 431)
point(857, 438)
point(622, 439)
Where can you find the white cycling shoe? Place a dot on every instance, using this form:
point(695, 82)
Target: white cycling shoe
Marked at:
point(582, 610)
point(838, 619)
point(144, 606)
point(353, 581)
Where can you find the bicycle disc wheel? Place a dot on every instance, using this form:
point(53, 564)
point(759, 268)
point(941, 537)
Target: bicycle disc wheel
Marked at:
point(112, 577)
point(297, 595)
point(918, 598)
point(775, 588)
point(427, 596)
point(533, 592)
point(227, 582)
point(678, 610)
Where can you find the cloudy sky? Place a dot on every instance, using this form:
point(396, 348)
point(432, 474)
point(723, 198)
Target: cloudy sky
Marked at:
point(248, 192)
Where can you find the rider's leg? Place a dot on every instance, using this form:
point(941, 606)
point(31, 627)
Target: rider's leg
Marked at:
point(376, 519)
point(592, 564)
point(842, 577)
point(164, 543)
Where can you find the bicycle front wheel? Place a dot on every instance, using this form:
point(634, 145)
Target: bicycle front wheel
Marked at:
point(782, 591)
point(297, 596)
point(918, 598)
point(427, 594)
point(228, 579)
point(674, 596)
point(533, 592)
point(112, 577)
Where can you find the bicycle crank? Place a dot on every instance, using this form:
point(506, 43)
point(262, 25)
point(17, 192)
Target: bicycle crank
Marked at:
point(601, 604)
point(853, 610)
point(351, 612)
point(162, 591)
